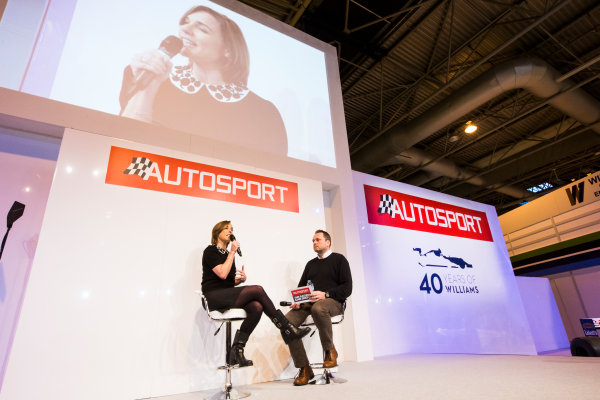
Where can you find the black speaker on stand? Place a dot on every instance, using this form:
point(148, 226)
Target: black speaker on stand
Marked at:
point(586, 346)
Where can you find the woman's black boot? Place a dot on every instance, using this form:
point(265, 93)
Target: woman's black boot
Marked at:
point(236, 356)
point(288, 331)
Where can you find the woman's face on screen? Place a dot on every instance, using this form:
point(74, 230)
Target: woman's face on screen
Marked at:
point(202, 39)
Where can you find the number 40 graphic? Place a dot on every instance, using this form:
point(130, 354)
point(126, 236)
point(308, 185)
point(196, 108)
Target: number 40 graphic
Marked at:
point(436, 284)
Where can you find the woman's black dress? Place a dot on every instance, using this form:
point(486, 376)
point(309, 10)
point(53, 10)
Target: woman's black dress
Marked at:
point(220, 293)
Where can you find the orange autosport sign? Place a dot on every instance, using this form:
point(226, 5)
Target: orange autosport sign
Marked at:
point(138, 169)
point(401, 210)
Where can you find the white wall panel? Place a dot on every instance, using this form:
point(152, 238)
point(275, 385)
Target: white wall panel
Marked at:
point(576, 294)
point(588, 282)
point(26, 180)
point(528, 231)
point(569, 303)
point(405, 317)
point(544, 318)
point(580, 212)
point(111, 295)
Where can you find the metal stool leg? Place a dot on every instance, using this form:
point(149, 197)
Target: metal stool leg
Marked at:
point(228, 392)
point(326, 377)
point(333, 378)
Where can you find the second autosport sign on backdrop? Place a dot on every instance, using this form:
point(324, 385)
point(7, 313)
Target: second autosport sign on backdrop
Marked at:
point(444, 270)
point(435, 276)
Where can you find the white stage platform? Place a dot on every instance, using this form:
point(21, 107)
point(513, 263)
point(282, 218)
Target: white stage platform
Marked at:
point(445, 376)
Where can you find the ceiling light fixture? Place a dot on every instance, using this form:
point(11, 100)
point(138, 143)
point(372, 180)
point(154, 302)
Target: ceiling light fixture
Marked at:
point(470, 127)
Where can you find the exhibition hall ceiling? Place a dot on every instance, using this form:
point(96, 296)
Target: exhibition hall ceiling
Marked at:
point(414, 72)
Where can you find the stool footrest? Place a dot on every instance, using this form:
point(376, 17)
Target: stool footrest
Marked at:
point(327, 376)
point(236, 366)
point(320, 366)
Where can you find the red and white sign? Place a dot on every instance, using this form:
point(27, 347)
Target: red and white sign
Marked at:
point(386, 207)
point(138, 169)
point(300, 295)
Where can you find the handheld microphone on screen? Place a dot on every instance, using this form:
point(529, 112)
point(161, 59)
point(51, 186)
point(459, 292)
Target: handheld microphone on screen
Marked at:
point(170, 46)
point(285, 303)
point(232, 238)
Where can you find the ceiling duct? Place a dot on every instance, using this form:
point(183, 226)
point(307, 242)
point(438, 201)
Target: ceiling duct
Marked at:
point(416, 158)
point(429, 170)
point(531, 74)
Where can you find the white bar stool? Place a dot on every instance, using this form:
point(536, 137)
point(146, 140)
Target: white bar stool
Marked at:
point(327, 377)
point(226, 317)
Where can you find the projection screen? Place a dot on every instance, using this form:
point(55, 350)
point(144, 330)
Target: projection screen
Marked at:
point(238, 81)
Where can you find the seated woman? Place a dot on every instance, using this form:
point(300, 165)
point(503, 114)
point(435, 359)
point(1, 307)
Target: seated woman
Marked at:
point(220, 280)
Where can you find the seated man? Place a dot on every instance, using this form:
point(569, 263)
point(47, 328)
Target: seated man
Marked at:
point(332, 280)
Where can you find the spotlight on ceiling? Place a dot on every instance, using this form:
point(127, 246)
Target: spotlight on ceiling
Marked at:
point(470, 127)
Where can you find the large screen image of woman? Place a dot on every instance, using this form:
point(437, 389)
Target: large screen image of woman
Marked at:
point(190, 65)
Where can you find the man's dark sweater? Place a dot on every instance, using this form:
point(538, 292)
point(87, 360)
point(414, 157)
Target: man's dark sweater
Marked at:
point(330, 274)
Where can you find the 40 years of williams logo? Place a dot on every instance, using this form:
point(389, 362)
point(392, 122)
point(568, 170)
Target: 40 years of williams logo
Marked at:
point(453, 275)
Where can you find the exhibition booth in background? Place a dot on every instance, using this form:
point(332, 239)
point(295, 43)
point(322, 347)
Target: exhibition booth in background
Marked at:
point(98, 277)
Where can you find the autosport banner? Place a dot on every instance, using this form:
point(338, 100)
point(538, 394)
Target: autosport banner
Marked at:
point(386, 207)
point(430, 262)
point(138, 169)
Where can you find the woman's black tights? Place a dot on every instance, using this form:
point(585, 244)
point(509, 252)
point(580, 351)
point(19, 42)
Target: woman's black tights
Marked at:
point(254, 300)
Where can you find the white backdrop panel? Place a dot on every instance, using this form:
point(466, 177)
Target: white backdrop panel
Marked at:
point(110, 311)
point(26, 180)
point(420, 301)
point(547, 328)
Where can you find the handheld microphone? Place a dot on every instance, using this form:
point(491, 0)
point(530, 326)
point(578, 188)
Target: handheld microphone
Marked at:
point(285, 303)
point(170, 46)
point(232, 238)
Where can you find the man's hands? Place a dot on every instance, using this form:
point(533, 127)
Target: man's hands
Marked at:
point(316, 295)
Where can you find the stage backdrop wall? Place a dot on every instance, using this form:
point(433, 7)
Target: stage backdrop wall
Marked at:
point(25, 106)
point(26, 180)
point(437, 274)
point(110, 311)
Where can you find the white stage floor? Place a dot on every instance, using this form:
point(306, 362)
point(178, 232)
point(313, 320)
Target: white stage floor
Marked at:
point(445, 376)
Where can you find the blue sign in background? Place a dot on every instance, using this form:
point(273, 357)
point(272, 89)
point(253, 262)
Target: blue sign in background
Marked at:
point(589, 329)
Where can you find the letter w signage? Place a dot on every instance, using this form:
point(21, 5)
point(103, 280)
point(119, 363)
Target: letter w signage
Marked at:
point(148, 171)
point(576, 193)
point(385, 207)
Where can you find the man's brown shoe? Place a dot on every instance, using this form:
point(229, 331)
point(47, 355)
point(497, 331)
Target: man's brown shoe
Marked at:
point(330, 359)
point(304, 376)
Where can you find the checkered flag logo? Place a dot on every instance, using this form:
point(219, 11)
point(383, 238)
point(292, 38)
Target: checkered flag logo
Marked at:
point(139, 166)
point(386, 205)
